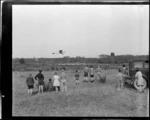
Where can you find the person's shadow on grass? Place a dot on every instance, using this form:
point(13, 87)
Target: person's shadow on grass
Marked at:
point(35, 92)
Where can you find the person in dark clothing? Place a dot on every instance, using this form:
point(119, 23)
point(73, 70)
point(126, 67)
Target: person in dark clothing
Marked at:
point(77, 77)
point(50, 85)
point(30, 83)
point(40, 78)
point(86, 74)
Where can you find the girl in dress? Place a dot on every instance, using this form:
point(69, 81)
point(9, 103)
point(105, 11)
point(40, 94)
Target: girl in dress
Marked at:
point(56, 81)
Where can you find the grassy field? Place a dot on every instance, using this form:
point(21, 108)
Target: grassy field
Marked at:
point(86, 99)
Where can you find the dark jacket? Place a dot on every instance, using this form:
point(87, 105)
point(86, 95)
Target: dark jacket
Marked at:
point(40, 77)
point(30, 81)
point(50, 86)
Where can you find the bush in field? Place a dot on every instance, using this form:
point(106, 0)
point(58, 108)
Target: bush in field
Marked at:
point(22, 61)
point(102, 77)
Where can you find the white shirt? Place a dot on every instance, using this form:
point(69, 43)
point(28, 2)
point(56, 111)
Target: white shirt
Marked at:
point(139, 75)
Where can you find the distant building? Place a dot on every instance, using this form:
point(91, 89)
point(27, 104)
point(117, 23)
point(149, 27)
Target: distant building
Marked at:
point(112, 54)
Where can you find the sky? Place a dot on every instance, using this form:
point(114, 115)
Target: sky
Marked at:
point(79, 30)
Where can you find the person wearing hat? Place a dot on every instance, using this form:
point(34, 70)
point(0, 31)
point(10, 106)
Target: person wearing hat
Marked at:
point(30, 83)
point(40, 78)
point(56, 81)
point(138, 76)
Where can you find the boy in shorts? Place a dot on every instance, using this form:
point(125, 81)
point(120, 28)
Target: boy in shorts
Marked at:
point(30, 83)
point(77, 77)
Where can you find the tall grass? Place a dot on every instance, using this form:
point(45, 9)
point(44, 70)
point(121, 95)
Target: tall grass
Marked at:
point(86, 99)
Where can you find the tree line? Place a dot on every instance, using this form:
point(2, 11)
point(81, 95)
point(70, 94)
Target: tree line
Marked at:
point(109, 59)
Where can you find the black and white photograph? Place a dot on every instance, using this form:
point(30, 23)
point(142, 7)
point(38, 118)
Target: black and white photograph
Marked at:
point(86, 60)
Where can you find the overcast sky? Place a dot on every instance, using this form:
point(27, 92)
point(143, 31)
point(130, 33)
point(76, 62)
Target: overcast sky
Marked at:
point(80, 30)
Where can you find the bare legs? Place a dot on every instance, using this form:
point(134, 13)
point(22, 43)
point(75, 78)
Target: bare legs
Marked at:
point(56, 89)
point(64, 86)
point(30, 92)
point(40, 88)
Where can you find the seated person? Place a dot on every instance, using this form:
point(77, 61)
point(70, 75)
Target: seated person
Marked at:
point(50, 85)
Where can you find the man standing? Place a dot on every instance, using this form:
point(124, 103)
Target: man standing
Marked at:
point(91, 72)
point(40, 78)
point(86, 73)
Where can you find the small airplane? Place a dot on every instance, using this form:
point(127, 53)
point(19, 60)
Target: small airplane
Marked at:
point(60, 52)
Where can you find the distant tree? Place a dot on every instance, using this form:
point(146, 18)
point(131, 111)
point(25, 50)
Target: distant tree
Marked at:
point(22, 61)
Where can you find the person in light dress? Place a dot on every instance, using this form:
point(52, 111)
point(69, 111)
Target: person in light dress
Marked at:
point(56, 81)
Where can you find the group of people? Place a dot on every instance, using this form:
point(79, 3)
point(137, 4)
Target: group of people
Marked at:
point(59, 82)
point(123, 74)
point(89, 73)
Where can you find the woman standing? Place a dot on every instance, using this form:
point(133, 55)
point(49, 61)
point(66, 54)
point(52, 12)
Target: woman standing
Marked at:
point(63, 80)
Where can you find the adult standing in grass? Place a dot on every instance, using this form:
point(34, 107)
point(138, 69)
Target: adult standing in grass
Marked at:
point(56, 81)
point(63, 80)
point(91, 72)
point(86, 73)
point(30, 83)
point(40, 78)
point(101, 74)
point(99, 71)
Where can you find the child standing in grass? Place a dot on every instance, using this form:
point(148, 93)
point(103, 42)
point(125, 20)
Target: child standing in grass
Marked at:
point(120, 77)
point(56, 81)
point(77, 77)
point(30, 83)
